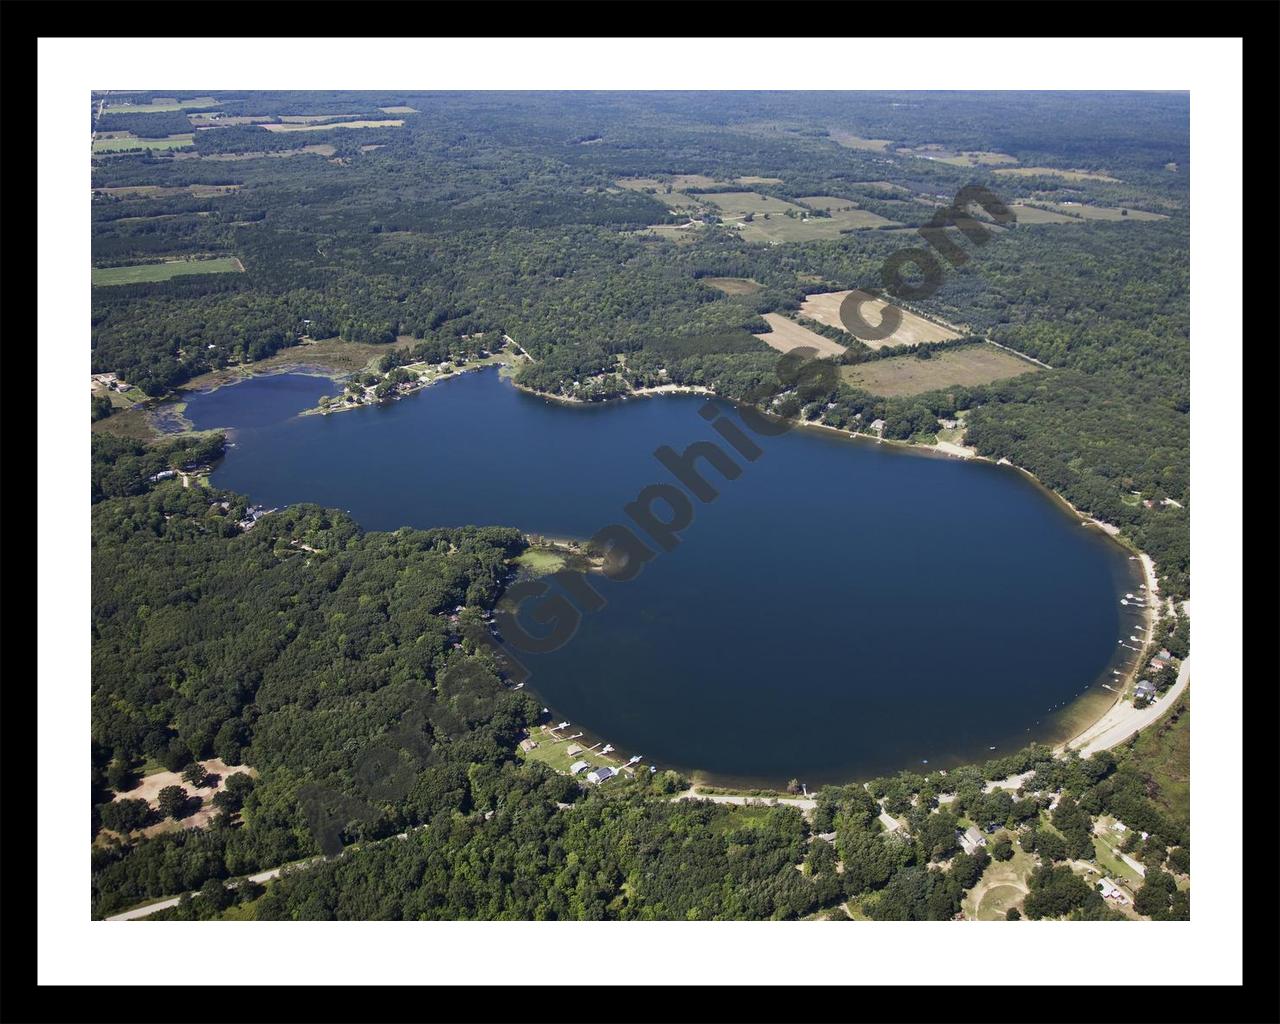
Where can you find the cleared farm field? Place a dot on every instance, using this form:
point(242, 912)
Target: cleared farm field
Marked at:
point(733, 285)
point(672, 232)
point(214, 121)
point(1054, 172)
point(874, 187)
point(785, 334)
point(851, 141)
point(775, 221)
point(321, 149)
point(963, 158)
point(331, 125)
point(1079, 210)
point(676, 181)
point(1037, 215)
point(160, 106)
point(310, 118)
point(824, 307)
point(164, 271)
point(739, 204)
point(115, 145)
point(951, 367)
point(827, 203)
point(750, 179)
point(398, 110)
point(156, 191)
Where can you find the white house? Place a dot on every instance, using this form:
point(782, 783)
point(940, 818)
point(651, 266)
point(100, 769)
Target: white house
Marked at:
point(578, 766)
point(600, 774)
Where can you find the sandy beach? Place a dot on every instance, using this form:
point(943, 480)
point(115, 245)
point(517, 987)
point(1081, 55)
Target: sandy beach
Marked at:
point(1122, 719)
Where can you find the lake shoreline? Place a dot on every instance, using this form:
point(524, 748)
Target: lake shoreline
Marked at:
point(567, 543)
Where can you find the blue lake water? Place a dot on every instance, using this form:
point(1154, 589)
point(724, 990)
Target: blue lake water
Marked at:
point(842, 609)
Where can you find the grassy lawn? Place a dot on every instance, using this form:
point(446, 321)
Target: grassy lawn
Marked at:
point(1106, 855)
point(104, 276)
point(1002, 885)
point(541, 561)
point(552, 750)
point(954, 435)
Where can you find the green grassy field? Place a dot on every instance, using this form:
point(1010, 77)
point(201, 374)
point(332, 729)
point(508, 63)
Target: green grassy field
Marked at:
point(966, 158)
point(327, 125)
point(1054, 172)
point(732, 285)
point(117, 145)
point(164, 271)
point(1106, 212)
point(671, 232)
point(1002, 885)
point(541, 561)
point(1163, 754)
point(771, 223)
point(1037, 215)
point(907, 375)
point(851, 141)
point(160, 107)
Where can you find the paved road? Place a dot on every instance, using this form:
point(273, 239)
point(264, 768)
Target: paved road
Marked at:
point(1116, 726)
point(1123, 720)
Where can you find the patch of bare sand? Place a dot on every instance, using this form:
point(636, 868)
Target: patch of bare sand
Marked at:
point(149, 790)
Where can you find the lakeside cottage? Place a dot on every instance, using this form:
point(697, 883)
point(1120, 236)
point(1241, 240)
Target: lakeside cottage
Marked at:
point(578, 766)
point(1111, 891)
point(971, 839)
point(600, 774)
point(1145, 690)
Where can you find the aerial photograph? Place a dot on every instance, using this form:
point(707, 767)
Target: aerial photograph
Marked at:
point(640, 505)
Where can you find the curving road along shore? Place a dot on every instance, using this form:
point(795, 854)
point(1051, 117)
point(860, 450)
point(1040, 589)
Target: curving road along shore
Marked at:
point(1123, 719)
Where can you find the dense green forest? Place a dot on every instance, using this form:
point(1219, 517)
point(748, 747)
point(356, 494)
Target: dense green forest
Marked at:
point(296, 645)
point(326, 658)
point(501, 212)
